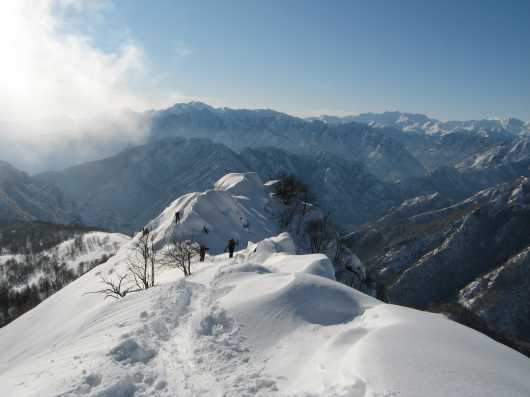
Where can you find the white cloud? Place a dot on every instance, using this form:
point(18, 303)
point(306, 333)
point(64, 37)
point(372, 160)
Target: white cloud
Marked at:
point(55, 82)
point(183, 50)
point(49, 73)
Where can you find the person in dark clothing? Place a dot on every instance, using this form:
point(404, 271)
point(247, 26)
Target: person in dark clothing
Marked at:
point(145, 231)
point(177, 217)
point(205, 230)
point(231, 247)
point(202, 252)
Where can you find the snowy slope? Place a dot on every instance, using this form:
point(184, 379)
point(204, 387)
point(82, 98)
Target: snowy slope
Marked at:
point(238, 207)
point(28, 279)
point(268, 322)
point(91, 247)
point(94, 245)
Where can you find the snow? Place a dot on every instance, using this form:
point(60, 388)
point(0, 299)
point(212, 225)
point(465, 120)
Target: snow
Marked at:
point(236, 208)
point(267, 322)
point(95, 247)
point(96, 244)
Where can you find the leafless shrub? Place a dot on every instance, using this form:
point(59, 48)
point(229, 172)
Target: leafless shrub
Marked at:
point(115, 288)
point(143, 260)
point(179, 253)
point(319, 233)
point(295, 196)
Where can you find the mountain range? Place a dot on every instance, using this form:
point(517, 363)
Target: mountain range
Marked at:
point(153, 174)
point(422, 124)
point(470, 255)
point(361, 169)
point(269, 321)
point(428, 214)
point(242, 128)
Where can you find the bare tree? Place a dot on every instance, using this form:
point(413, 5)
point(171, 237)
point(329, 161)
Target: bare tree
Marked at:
point(290, 187)
point(319, 233)
point(179, 253)
point(340, 247)
point(287, 216)
point(142, 262)
point(296, 197)
point(114, 288)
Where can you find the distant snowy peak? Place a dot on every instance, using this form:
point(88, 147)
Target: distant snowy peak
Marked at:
point(189, 106)
point(422, 124)
point(194, 106)
point(409, 122)
point(242, 128)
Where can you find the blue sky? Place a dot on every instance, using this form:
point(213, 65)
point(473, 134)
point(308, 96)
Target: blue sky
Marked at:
point(450, 59)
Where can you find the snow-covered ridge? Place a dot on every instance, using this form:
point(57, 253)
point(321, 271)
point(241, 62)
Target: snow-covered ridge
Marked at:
point(238, 207)
point(267, 323)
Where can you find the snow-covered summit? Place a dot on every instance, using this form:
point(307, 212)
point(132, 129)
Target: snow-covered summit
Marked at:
point(267, 322)
point(238, 207)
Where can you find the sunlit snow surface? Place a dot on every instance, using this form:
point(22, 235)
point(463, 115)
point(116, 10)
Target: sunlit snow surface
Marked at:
point(267, 322)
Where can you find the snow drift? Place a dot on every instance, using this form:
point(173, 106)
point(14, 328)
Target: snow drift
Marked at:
point(267, 322)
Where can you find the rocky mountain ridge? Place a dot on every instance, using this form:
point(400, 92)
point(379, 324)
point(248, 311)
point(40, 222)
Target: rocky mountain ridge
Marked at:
point(429, 255)
point(241, 128)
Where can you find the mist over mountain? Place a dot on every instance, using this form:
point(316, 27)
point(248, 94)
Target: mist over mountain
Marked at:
point(58, 143)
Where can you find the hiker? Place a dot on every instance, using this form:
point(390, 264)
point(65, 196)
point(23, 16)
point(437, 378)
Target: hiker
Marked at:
point(230, 247)
point(205, 230)
point(202, 252)
point(177, 217)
